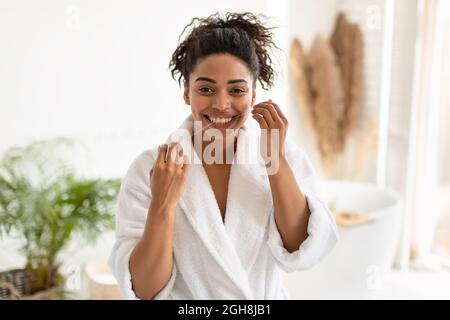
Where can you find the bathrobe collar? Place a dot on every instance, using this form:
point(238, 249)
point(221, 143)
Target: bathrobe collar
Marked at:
point(235, 242)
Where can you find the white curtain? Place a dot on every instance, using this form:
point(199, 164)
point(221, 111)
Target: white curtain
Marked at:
point(422, 202)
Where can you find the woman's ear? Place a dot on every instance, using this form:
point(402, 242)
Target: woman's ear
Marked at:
point(186, 96)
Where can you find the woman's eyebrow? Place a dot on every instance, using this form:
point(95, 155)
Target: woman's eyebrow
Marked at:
point(205, 79)
point(214, 81)
point(237, 80)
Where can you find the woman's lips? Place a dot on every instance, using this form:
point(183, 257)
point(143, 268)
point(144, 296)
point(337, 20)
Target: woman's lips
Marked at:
point(221, 125)
point(220, 116)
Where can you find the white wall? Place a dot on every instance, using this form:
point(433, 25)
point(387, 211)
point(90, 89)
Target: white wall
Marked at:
point(95, 70)
point(98, 71)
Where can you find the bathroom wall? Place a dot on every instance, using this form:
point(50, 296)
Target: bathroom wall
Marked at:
point(97, 71)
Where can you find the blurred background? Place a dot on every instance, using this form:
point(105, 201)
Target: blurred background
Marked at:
point(85, 88)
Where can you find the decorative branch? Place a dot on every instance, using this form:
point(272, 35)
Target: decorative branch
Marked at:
point(329, 87)
point(347, 42)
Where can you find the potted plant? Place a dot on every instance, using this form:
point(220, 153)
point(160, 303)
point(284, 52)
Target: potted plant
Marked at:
point(44, 203)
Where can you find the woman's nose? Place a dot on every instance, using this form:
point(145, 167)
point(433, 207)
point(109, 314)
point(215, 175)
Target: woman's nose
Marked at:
point(222, 102)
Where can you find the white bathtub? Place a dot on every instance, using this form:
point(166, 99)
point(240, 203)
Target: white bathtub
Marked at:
point(355, 267)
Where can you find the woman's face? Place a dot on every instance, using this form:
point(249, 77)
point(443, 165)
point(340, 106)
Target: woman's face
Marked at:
point(220, 92)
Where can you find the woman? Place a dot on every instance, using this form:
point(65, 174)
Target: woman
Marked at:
point(226, 205)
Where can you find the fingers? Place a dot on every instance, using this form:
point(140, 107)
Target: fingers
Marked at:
point(162, 150)
point(168, 178)
point(174, 153)
point(279, 112)
point(263, 110)
point(180, 155)
point(180, 166)
point(274, 112)
point(170, 154)
point(271, 113)
point(260, 119)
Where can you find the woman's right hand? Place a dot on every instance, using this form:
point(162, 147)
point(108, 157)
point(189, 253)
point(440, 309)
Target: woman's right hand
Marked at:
point(168, 178)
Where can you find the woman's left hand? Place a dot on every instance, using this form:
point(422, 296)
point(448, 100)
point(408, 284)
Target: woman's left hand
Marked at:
point(269, 116)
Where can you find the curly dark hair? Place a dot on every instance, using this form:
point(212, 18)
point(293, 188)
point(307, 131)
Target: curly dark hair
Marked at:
point(240, 34)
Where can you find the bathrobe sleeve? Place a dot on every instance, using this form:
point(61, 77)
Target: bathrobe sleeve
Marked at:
point(131, 215)
point(322, 229)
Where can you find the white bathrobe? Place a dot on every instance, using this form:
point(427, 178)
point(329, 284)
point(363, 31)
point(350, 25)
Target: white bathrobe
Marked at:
point(242, 257)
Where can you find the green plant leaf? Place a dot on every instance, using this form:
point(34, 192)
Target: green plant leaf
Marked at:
point(43, 200)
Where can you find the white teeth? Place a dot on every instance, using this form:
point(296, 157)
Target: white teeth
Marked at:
point(219, 120)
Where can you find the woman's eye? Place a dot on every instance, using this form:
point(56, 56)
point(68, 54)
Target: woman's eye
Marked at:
point(205, 90)
point(238, 91)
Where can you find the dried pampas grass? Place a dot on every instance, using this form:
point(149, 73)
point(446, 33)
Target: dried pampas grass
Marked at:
point(329, 87)
point(327, 103)
point(300, 77)
point(347, 42)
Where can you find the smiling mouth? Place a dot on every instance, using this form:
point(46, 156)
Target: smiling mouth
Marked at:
point(221, 120)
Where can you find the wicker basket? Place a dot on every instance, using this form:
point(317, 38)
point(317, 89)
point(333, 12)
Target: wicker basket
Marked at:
point(14, 286)
point(13, 283)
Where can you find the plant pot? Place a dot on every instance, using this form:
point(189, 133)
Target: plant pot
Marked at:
point(15, 284)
